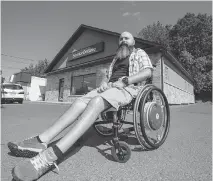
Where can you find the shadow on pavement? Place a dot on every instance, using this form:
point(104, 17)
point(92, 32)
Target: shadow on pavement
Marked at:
point(92, 139)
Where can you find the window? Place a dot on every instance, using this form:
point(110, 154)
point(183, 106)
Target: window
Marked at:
point(83, 84)
point(12, 87)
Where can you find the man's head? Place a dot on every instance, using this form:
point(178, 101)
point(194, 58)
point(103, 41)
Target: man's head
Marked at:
point(126, 38)
point(126, 44)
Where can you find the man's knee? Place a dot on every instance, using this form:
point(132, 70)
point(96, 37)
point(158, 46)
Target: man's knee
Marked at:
point(99, 103)
point(97, 100)
point(80, 103)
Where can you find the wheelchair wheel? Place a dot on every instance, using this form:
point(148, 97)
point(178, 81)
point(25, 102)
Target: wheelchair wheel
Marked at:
point(123, 154)
point(151, 117)
point(103, 125)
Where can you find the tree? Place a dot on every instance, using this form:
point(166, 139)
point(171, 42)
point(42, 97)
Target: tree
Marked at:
point(200, 69)
point(2, 78)
point(38, 69)
point(190, 40)
point(202, 76)
point(156, 33)
point(193, 34)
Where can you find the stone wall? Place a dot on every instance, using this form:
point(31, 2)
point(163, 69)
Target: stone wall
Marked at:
point(177, 87)
point(176, 95)
point(52, 90)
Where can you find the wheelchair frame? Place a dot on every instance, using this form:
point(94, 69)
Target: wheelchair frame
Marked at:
point(152, 119)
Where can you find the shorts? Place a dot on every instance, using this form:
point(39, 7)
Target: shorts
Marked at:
point(117, 97)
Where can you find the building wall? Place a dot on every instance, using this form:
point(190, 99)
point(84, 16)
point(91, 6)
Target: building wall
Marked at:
point(52, 89)
point(89, 38)
point(37, 88)
point(156, 61)
point(177, 87)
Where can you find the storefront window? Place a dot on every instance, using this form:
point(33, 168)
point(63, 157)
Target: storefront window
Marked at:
point(83, 84)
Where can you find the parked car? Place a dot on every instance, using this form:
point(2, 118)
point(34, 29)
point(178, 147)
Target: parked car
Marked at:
point(11, 92)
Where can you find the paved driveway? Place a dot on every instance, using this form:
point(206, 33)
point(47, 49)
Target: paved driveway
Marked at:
point(186, 154)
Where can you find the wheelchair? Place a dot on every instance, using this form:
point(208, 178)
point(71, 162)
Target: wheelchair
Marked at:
point(151, 122)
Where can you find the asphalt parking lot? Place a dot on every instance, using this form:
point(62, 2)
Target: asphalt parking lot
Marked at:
point(186, 155)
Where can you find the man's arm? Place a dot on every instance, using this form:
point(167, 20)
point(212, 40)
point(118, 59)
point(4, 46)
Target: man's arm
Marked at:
point(145, 67)
point(141, 76)
point(105, 79)
point(104, 85)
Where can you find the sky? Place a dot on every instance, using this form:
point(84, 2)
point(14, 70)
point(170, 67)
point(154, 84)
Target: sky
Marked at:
point(35, 30)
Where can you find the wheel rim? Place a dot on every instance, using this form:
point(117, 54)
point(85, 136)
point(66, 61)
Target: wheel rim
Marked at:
point(136, 118)
point(123, 155)
point(148, 125)
point(155, 138)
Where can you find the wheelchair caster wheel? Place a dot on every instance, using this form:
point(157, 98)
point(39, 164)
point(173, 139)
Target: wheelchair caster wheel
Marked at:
point(123, 154)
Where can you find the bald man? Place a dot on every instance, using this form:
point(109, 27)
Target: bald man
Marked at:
point(127, 73)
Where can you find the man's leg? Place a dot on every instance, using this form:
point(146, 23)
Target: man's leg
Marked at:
point(32, 146)
point(85, 120)
point(32, 169)
point(64, 121)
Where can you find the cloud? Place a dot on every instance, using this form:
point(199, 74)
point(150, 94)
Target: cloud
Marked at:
point(126, 14)
point(136, 14)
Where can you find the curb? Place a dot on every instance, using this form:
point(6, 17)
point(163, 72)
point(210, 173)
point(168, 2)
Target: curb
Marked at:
point(69, 103)
point(49, 102)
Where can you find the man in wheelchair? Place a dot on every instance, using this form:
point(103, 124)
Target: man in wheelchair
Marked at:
point(127, 73)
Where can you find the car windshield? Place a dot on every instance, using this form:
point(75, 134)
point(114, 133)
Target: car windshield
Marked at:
point(12, 86)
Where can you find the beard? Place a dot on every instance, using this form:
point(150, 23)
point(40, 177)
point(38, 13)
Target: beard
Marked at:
point(123, 51)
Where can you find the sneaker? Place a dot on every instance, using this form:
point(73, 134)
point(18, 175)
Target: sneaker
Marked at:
point(32, 169)
point(27, 148)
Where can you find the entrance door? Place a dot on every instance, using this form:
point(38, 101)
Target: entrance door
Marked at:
point(61, 89)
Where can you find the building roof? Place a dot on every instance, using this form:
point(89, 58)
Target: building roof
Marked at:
point(153, 46)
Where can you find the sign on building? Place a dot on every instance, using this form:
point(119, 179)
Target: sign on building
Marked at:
point(98, 47)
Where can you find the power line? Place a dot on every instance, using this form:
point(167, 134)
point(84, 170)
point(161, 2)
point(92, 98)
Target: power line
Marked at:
point(9, 67)
point(18, 57)
point(19, 62)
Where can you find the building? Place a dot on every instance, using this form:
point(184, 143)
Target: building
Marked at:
point(24, 79)
point(37, 88)
point(34, 87)
point(83, 61)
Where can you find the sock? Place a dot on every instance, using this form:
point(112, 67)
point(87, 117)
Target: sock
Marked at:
point(57, 152)
point(39, 140)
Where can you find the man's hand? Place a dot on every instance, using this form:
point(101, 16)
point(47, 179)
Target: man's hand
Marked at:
point(118, 84)
point(103, 87)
